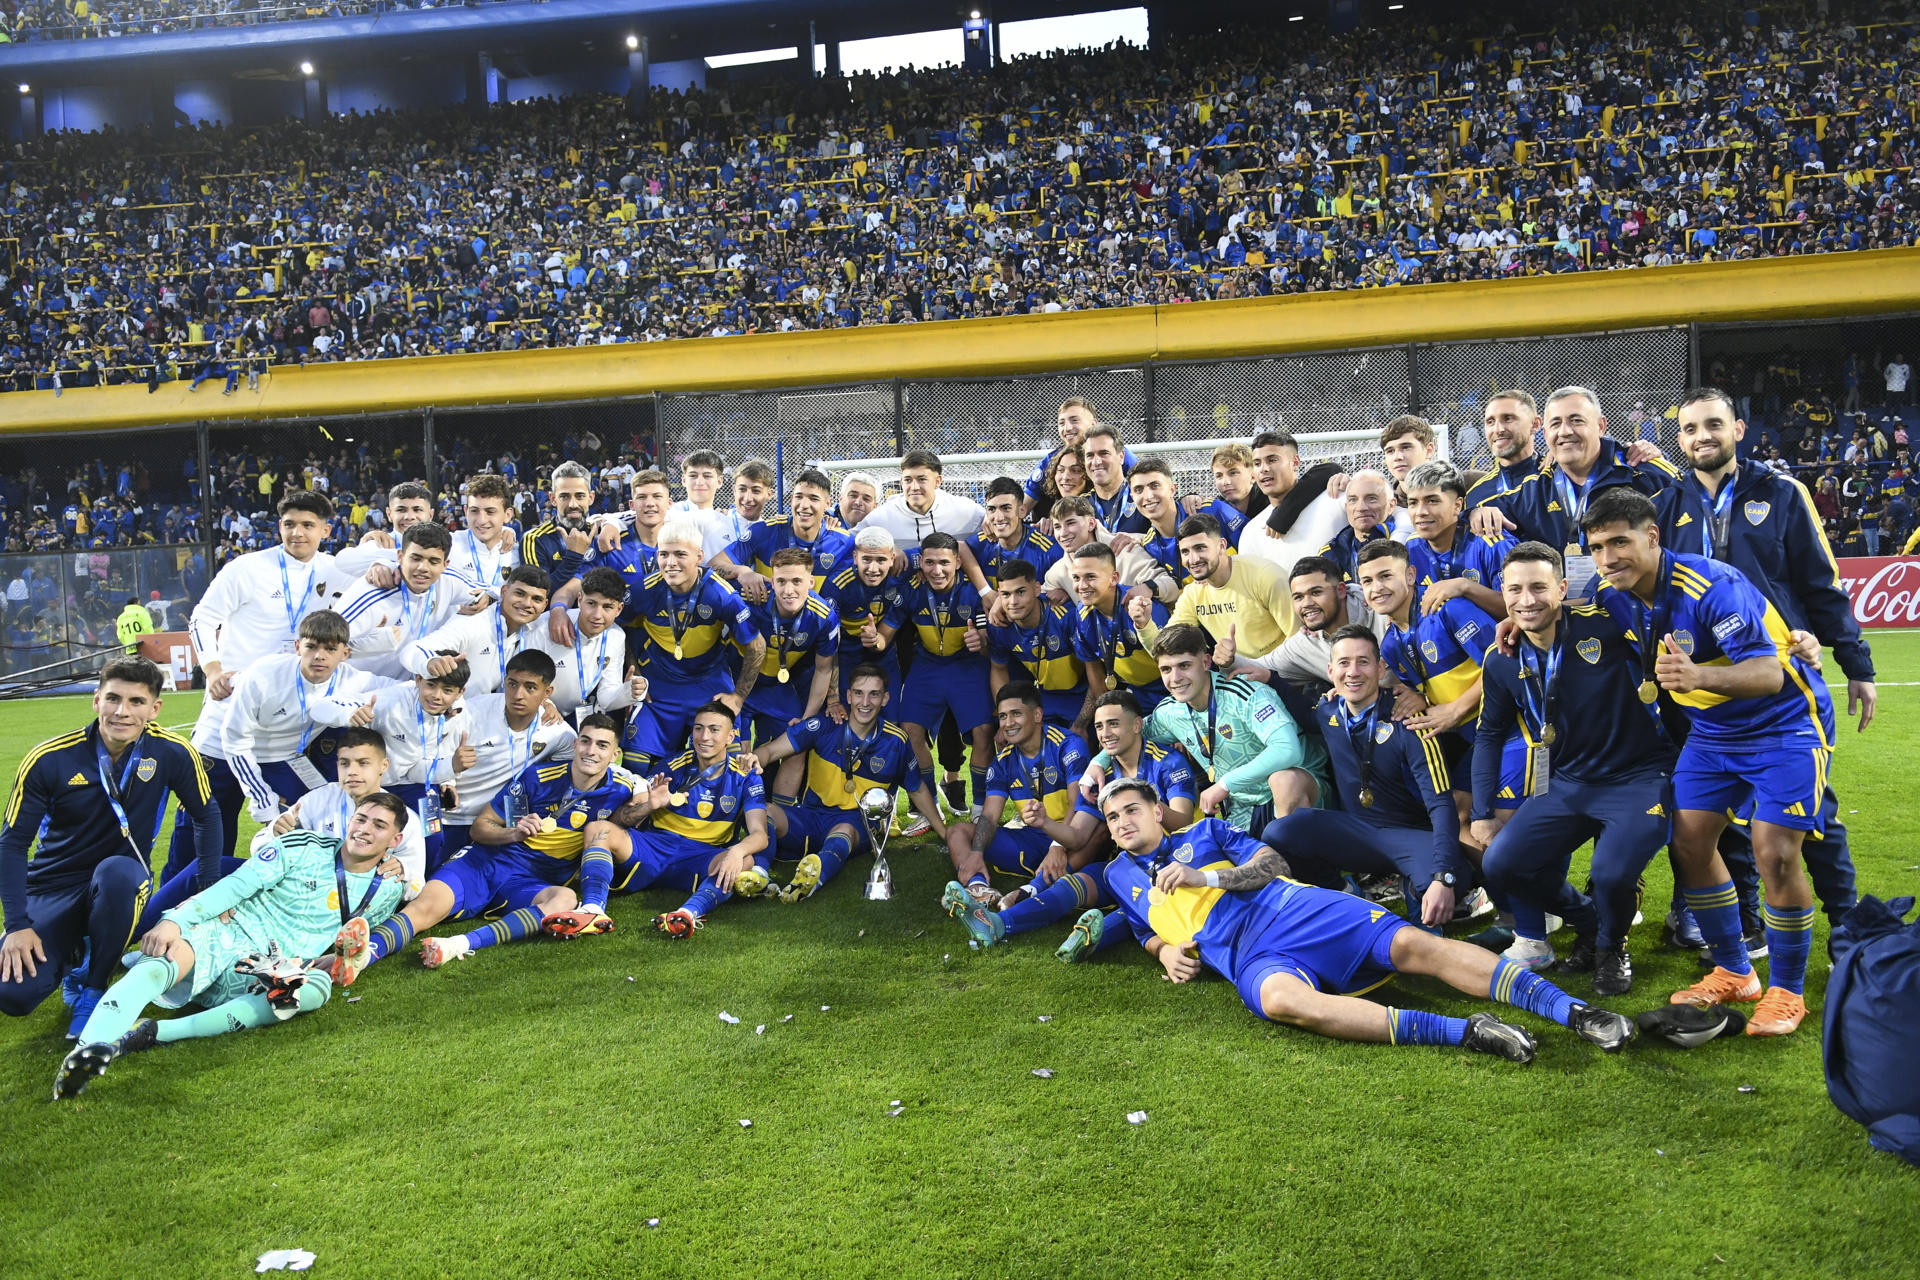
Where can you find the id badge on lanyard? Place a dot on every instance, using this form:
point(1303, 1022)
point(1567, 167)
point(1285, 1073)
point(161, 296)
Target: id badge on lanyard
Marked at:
point(430, 811)
point(1539, 768)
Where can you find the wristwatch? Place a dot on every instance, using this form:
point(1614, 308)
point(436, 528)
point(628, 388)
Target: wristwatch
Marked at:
point(1446, 878)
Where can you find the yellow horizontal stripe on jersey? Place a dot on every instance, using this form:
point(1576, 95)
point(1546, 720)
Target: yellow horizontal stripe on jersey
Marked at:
point(714, 831)
point(1180, 916)
point(695, 641)
point(1445, 686)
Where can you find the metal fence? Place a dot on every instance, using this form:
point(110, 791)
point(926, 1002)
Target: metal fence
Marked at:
point(181, 492)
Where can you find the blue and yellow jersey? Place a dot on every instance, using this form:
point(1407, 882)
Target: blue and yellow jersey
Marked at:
point(1545, 506)
point(1346, 547)
point(1213, 920)
point(1165, 549)
point(717, 799)
point(830, 549)
point(1718, 618)
point(842, 766)
point(1474, 558)
point(939, 619)
point(795, 642)
point(546, 791)
point(1166, 768)
point(1035, 548)
point(684, 637)
point(1232, 519)
point(1051, 777)
point(1408, 779)
point(1046, 650)
point(1502, 480)
point(635, 562)
point(1440, 655)
point(59, 798)
point(544, 547)
point(861, 606)
point(1114, 642)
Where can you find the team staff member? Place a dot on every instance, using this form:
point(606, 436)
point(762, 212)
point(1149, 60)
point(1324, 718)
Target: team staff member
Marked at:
point(1369, 507)
point(1509, 425)
point(93, 800)
point(561, 546)
point(1603, 769)
point(1764, 524)
point(1396, 814)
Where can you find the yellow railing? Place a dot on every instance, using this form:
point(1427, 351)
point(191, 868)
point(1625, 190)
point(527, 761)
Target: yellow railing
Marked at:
point(1823, 285)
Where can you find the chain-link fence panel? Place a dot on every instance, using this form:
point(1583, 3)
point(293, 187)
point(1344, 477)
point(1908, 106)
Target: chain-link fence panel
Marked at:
point(1639, 375)
point(525, 444)
point(970, 415)
point(1319, 392)
point(785, 429)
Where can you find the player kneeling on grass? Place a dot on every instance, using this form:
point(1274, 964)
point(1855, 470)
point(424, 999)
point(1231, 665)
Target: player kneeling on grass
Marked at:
point(544, 829)
point(1037, 770)
point(708, 825)
point(843, 762)
point(1080, 843)
point(247, 950)
point(1212, 897)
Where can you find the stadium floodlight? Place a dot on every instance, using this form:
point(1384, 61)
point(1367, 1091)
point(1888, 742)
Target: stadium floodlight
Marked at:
point(25, 87)
point(1392, 7)
point(1298, 17)
point(306, 68)
point(975, 15)
point(633, 42)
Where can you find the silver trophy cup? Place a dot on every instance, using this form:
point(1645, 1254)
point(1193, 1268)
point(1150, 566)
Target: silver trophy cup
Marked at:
point(876, 806)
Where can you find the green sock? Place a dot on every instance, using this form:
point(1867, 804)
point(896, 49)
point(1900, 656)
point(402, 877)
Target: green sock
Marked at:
point(128, 998)
point(241, 1012)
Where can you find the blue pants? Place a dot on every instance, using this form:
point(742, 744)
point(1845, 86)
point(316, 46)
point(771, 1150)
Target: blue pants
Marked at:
point(1017, 851)
point(454, 836)
point(808, 828)
point(1319, 844)
point(1628, 823)
point(100, 911)
point(290, 779)
point(658, 728)
point(1825, 852)
point(320, 754)
point(227, 797)
point(494, 881)
point(1333, 942)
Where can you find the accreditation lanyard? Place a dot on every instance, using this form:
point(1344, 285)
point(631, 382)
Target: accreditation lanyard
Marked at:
point(294, 605)
point(860, 747)
point(489, 571)
point(414, 630)
point(1213, 719)
point(117, 789)
point(306, 724)
point(1360, 736)
point(439, 735)
point(340, 882)
point(1540, 684)
point(1653, 621)
point(589, 689)
point(1573, 502)
point(1716, 530)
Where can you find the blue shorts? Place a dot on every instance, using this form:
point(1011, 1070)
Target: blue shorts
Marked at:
point(662, 856)
point(937, 688)
point(1017, 851)
point(1514, 780)
point(809, 826)
point(1332, 941)
point(1783, 785)
point(493, 881)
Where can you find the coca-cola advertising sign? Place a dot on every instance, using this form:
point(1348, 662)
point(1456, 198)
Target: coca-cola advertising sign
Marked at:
point(1885, 590)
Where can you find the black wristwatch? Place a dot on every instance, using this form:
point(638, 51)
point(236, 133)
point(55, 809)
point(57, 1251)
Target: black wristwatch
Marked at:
point(1446, 878)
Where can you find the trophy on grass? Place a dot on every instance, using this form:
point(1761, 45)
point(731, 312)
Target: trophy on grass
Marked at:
point(876, 806)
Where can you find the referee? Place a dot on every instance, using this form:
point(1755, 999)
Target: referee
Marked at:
point(94, 797)
point(1764, 524)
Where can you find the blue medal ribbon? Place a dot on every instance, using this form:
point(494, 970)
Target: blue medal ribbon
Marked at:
point(294, 608)
point(1573, 501)
point(300, 687)
point(1717, 519)
point(117, 789)
point(1542, 701)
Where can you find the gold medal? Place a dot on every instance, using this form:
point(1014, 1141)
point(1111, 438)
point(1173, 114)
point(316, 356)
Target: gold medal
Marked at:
point(549, 823)
point(1156, 896)
point(1548, 733)
point(677, 651)
point(781, 676)
point(1649, 692)
point(1573, 549)
point(1366, 797)
point(676, 798)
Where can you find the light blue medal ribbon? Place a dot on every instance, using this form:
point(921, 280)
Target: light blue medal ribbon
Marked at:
point(287, 600)
point(1542, 702)
point(116, 790)
point(306, 723)
point(1573, 502)
point(589, 689)
point(439, 736)
point(1718, 522)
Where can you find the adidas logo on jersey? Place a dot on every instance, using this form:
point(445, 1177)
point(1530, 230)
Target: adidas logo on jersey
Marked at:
point(77, 780)
point(1658, 811)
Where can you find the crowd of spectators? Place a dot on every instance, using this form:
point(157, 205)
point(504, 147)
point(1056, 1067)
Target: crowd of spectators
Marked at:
point(97, 19)
point(1248, 162)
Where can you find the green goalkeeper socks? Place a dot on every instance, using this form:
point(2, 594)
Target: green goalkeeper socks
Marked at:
point(242, 1012)
point(127, 999)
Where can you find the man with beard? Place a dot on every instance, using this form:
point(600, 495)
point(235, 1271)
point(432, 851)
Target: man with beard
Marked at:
point(1509, 425)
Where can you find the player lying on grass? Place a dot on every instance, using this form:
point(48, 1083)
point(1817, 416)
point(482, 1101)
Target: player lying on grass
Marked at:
point(1211, 897)
point(1080, 843)
point(528, 847)
point(243, 950)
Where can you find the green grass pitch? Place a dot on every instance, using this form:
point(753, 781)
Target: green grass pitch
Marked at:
point(527, 1112)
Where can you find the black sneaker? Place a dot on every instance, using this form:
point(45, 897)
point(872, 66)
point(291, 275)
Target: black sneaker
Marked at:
point(1756, 943)
point(80, 1068)
point(1689, 1026)
point(1580, 959)
point(1487, 1034)
point(1603, 1027)
point(143, 1035)
point(1613, 972)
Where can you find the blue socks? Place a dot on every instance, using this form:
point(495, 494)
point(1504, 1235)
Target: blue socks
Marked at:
point(511, 927)
point(705, 897)
point(596, 877)
point(979, 775)
point(1519, 986)
point(1067, 896)
point(390, 937)
point(1789, 938)
point(1414, 1026)
point(833, 854)
point(1716, 909)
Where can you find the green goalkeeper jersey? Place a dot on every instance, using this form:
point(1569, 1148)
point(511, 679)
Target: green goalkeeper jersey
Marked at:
point(1244, 735)
point(288, 892)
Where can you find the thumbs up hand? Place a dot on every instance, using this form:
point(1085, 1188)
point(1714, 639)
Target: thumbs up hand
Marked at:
point(464, 756)
point(1676, 672)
